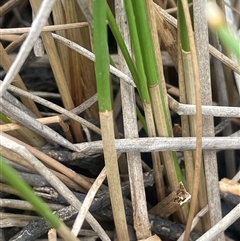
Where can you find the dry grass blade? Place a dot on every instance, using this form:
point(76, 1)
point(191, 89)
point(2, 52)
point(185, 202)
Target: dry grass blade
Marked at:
point(168, 36)
point(63, 77)
point(15, 43)
point(222, 225)
point(79, 179)
point(157, 162)
point(188, 155)
point(87, 68)
point(58, 73)
point(197, 128)
point(163, 144)
point(59, 17)
point(199, 215)
point(50, 28)
point(45, 121)
point(75, 63)
point(85, 6)
point(141, 222)
point(230, 186)
point(37, 26)
point(87, 202)
point(209, 157)
point(56, 108)
point(24, 133)
point(160, 111)
point(24, 205)
point(156, 158)
point(110, 157)
point(8, 6)
point(54, 181)
point(222, 90)
point(54, 119)
point(5, 62)
point(12, 220)
point(67, 178)
point(91, 56)
point(52, 235)
point(34, 125)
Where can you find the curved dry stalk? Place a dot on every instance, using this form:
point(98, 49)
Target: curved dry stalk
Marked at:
point(217, 111)
point(224, 59)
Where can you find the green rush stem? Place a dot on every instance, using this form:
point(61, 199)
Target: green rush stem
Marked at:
point(25, 191)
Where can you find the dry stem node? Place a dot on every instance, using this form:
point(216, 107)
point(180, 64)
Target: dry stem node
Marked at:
point(172, 202)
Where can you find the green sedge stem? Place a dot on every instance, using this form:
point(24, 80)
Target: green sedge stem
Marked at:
point(25, 191)
point(143, 90)
point(217, 22)
point(147, 49)
point(4, 118)
point(183, 27)
point(101, 53)
point(142, 120)
point(150, 62)
point(146, 43)
point(229, 41)
point(118, 37)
